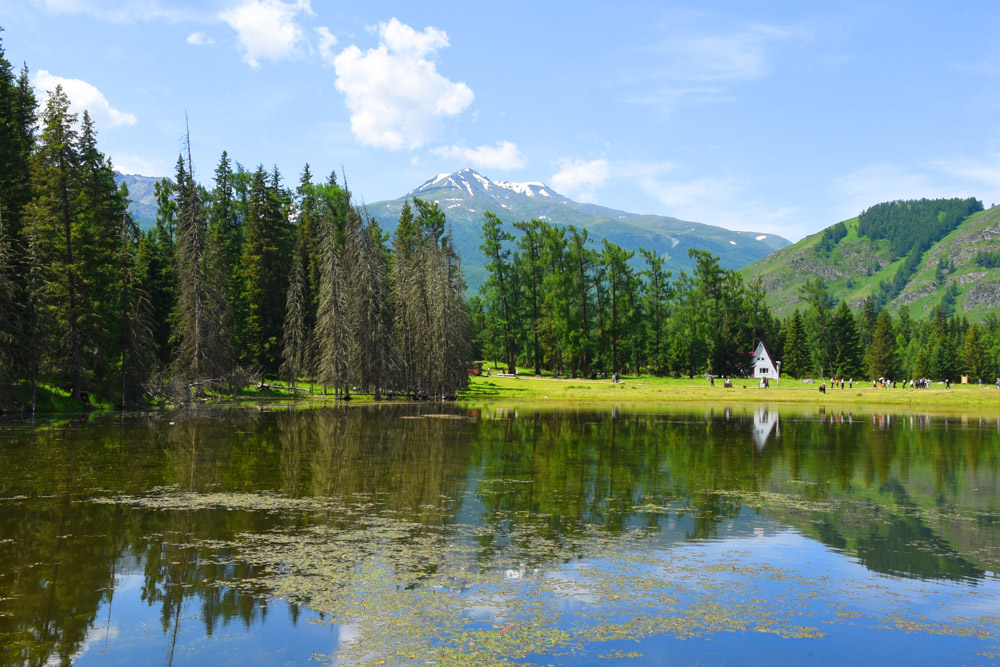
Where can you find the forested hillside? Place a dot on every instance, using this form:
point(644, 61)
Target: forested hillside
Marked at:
point(920, 254)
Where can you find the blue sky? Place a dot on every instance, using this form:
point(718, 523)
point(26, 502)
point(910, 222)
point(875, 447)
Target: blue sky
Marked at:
point(780, 117)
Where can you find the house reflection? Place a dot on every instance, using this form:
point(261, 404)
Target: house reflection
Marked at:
point(765, 424)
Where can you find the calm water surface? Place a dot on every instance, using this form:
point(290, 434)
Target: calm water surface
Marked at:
point(443, 535)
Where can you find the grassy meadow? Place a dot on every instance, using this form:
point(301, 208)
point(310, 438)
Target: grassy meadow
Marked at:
point(649, 390)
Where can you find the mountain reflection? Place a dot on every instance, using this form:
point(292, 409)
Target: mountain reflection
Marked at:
point(905, 495)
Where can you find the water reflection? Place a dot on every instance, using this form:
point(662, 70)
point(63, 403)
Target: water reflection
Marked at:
point(906, 496)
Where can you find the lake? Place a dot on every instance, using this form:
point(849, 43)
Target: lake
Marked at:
point(437, 534)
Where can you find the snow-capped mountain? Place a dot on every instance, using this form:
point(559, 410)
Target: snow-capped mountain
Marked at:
point(465, 195)
point(477, 185)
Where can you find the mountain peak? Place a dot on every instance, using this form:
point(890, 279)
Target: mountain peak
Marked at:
point(470, 182)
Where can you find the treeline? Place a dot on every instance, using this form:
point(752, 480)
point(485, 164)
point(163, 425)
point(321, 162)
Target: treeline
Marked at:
point(245, 280)
point(915, 224)
point(552, 301)
point(828, 340)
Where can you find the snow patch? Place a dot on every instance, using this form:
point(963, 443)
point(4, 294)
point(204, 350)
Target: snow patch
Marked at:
point(732, 243)
point(761, 237)
point(486, 183)
point(527, 189)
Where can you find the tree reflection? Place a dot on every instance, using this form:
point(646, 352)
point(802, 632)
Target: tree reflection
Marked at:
point(908, 496)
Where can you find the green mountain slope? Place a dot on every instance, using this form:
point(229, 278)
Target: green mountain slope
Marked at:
point(855, 267)
point(465, 195)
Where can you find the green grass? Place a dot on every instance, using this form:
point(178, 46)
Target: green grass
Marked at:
point(49, 398)
point(651, 390)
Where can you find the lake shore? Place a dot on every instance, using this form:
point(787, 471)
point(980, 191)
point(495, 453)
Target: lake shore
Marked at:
point(650, 390)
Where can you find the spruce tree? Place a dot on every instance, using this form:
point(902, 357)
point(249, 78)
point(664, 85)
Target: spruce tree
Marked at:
point(976, 357)
point(8, 310)
point(52, 216)
point(881, 361)
point(294, 334)
point(203, 353)
point(846, 343)
point(266, 260)
point(797, 362)
point(225, 245)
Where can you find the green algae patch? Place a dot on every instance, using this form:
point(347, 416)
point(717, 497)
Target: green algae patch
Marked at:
point(511, 591)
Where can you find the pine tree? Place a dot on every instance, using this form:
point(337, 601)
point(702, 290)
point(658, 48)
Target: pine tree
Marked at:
point(866, 322)
point(266, 261)
point(224, 248)
point(157, 261)
point(817, 322)
point(846, 343)
point(618, 273)
point(203, 353)
point(100, 209)
point(499, 287)
point(8, 310)
point(404, 245)
point(52, 216)
point(580, 263)
point(880, 361)
point(294, 334)
point(531, 269)
point(332, 335)
point(976, 357)
point(797, 362)
point(136, 346)
point(17, 139)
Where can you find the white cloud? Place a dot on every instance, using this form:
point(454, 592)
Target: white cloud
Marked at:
point(986, 172)
point(83, 95)
point(266, 28)
point(326, 43)
point(199, 39)
point(134, 164)
point(685, 65)
point(681, 195)
point(394, 92)
point(579, 179)
point(504, 156)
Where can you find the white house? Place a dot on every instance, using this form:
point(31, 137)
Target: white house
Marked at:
point(763, 365)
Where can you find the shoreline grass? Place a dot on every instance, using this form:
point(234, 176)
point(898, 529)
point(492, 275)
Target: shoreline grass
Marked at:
point(652, 390)
point(645, 392)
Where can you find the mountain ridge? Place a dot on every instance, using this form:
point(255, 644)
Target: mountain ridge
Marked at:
point(465, 195)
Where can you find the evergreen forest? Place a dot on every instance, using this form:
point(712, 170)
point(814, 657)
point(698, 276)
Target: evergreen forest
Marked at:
point(237, 282)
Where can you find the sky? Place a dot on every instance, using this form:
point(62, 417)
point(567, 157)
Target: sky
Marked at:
point(775, 117)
